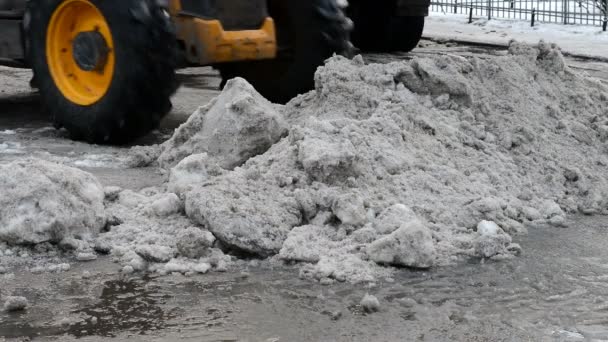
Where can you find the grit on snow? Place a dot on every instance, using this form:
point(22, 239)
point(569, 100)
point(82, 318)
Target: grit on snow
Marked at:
point(412, 164)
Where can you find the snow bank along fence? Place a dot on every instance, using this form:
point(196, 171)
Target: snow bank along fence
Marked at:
point(581, 12)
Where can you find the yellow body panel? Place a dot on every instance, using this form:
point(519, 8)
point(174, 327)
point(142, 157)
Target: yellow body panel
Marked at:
point(206, 42)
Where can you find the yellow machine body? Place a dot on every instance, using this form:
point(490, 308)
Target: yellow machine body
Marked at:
point(205, 41)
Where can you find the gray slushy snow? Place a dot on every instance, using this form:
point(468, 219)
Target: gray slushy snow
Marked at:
point(15, 303)
point(232, 128)
point(42, 201)
point(445, 141)
point(370, 303)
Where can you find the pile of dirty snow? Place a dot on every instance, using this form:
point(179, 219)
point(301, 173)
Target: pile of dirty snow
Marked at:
point(399, 164)
point(414, 164)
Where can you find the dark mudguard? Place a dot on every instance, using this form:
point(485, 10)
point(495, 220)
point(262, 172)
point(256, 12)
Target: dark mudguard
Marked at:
point(413, 8)
point(387, 25)
point(233, 14)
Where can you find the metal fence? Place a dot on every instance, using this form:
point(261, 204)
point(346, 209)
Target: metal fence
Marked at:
point(582, 12)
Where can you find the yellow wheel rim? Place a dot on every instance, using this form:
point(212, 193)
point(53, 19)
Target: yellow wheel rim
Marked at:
point(80, 86)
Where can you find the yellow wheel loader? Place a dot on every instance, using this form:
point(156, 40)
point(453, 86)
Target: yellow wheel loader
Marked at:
point(105, 69)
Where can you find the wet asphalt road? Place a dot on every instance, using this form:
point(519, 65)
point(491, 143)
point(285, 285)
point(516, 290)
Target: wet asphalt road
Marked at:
point(556, 291)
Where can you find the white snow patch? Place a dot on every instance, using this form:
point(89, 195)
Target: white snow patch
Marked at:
point(575, 39)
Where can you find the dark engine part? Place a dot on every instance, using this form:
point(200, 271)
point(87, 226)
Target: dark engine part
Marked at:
point(234, 14)
point(11, 28)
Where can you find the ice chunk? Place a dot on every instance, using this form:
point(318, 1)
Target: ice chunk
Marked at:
point(165, 205)
point(491, 240)
point(194, 242)
point(392, 218)
point(43, 201)
point(350, 209)
point(488, 228)
point(411, 245)
point(370, 303)
point(15, 303)
point(236, 126)
point(188, 173)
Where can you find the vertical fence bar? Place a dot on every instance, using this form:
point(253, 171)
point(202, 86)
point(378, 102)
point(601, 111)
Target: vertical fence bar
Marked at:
point(489, 9)
point(604, 14)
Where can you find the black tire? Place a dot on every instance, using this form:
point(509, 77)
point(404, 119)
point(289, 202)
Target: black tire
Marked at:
point(378, 29)
point(144, 78)
point(308, 33)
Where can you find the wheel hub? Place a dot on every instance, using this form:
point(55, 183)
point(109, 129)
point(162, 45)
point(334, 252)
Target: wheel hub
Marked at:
point(90, 51)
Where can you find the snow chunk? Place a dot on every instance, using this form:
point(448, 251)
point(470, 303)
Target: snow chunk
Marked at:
point(307, 243)
point(234, 127)
point(411, 245)
point(186, 266)
point(491, 240)
point(191, 171)
point(42, 201)
point(370, 303)
point(86, 256)
point(194, 242)
point(155, 253)
point(488, 228)
point(244, 215)
point(550, 209)
point(165, 205)
point(392, 218)
point(350, 209)
point(15, 303)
